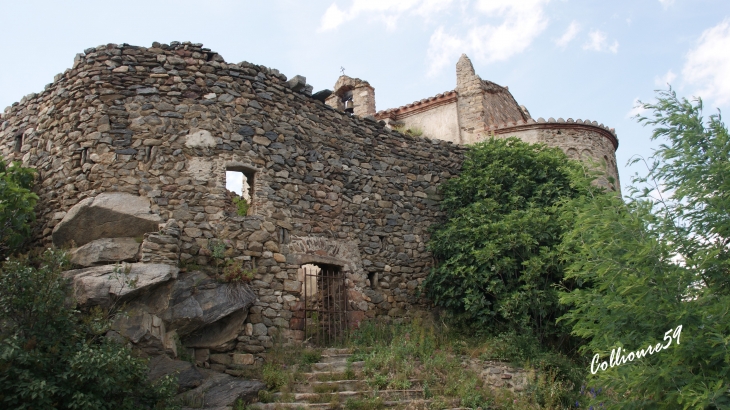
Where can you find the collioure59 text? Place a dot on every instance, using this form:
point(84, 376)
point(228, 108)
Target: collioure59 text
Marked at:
point(617, 359)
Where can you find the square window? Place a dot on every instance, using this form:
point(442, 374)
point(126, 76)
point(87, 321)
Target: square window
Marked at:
point(240, 183)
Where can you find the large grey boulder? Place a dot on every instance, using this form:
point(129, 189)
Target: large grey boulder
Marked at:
point(188, 376)
point(196, 300)
point(220, 390)
point(146, 331)
point(218, 333)
point(105, 251)
point(108, 215)
point(102, 285)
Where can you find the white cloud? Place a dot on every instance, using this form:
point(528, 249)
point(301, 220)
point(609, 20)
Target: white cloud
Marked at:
point(569, 35)
point(638, 109)
point(519, 23)
point(387, 11)
point(708, 65)
point(332, 18)
point(512, 27)
point(597, 41)
point(666, 3)
point(667, 78)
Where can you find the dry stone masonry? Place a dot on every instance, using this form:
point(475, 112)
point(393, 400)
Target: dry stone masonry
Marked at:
point(133, 144)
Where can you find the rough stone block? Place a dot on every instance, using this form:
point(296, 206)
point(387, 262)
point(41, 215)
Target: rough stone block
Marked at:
point(244, 359)
point(106, 250)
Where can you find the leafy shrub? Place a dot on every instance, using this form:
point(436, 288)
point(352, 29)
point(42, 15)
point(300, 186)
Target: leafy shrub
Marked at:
point(51, 358)
point(17, 202)
point(498, 258)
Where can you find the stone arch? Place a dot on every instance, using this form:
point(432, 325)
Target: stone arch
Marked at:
point(572, 153)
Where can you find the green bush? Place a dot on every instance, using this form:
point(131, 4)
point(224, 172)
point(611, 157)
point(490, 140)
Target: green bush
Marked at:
point(241, 205)
point(498, 262)
point(656, 262)
point(16, 206)
point(51, 358)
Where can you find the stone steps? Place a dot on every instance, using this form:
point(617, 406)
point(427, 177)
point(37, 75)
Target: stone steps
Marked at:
point(339, 386)
point(337, 358)
point(410, 404)
point(387, 395)
point(336, 367)
point(333, 382)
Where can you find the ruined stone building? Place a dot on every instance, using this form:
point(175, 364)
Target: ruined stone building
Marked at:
point(478, 109)
point(132, 147)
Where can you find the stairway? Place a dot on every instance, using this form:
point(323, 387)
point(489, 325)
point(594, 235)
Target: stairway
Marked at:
point(334, 383)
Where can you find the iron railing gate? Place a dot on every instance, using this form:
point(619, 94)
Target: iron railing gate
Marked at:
point(325, 305)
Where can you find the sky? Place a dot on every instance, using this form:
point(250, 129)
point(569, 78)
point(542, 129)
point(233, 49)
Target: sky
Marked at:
point(560, 58)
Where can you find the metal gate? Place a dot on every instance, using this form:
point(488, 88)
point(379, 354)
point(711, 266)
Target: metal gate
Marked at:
point(325, 304)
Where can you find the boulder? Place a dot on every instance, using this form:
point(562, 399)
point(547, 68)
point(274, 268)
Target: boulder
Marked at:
point(146, 331)
point(103, 285)
point(196, 300)
point(218, 333)
point(108, 215)
point(105, 251)
point(220, 390)
point(188, 376)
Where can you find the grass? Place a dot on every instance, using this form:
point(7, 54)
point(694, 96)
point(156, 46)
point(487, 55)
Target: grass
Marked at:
point(396, 354)
point(412, 131)
point(431, 357)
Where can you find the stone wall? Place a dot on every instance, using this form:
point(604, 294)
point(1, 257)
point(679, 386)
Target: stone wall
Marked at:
point(582, 140)
point(165, 122)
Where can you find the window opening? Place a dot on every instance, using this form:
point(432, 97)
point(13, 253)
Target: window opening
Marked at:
point(239, 187)
point(325, 303)
point(373, 277)
point(18, 142)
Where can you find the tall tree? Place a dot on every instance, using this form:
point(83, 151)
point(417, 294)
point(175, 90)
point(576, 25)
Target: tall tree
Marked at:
point(658, 261)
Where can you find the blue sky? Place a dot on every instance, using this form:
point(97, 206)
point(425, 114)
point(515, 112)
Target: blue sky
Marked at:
point(560, 58)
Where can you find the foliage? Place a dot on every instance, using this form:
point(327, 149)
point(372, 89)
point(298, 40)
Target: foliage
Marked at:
point(242, 205)
point(411, 131)
point(497, 253)
point(656, 262)
point(16, 206)
point(274, 376)
point(435, 354)
point(51, 357)
point(233, 272)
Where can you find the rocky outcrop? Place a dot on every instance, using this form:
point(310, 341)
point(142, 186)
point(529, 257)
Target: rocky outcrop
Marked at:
point(217, 334)
point(105, 251)
point(103, 285)
point(196, 300)
point(147, 332)
point(220, 390)
point(188, 376)
point(108, 215)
